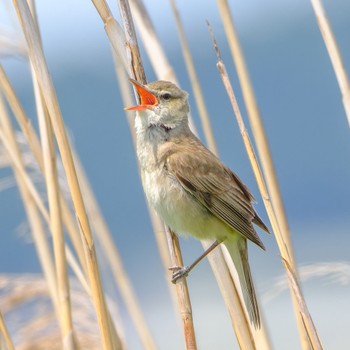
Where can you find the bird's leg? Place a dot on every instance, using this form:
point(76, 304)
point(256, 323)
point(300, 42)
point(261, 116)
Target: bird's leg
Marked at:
point(183, 271)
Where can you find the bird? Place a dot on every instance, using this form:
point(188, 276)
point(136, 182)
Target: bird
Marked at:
point(192, 191)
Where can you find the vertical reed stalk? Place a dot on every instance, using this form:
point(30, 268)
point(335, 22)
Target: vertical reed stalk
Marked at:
point(38, 232)
point(155, 52)
point(256, 123)
point(34, 145)
point(334, 54)
point(191, 69)
point(112, 254)
point(260, 180)
point(182, 292)
point(137, 72)
point(262, 145)
point(34, 205)
point(53, 192)
point(37, 58)
point(152, 44)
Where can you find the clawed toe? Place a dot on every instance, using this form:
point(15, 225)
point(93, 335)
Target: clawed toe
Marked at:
point(179, 272)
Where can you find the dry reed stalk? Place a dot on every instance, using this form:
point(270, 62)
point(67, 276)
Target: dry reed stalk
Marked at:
point(56, 225)
point(37, 58)
point(155, 52)
point(334, 54)
point(137, 72)
point(34, 145)
point(158, 227)
point(104, 236)
point(182, 292)
point(53, 193)
point(256, 123)
point(5, 333)
point(38, 232)
point(25, 180)
point(259, 178)
point(113, 30)
point(262, 146)
point(152, 44)
point(191, 69)
point(313, 337)
point(32, 138)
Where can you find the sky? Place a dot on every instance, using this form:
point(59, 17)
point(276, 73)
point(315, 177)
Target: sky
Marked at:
point(308, 133)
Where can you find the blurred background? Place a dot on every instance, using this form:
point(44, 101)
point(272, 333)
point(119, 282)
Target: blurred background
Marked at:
point(301, 106)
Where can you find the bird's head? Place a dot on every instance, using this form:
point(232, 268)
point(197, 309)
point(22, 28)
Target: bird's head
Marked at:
point(161, 103)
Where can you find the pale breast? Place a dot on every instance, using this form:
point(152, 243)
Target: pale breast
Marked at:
point(178, 209)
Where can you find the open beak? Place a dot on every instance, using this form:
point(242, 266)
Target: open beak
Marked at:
point(147, 99)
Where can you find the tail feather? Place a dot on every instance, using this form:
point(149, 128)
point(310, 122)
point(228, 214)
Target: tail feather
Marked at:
point(238, 251)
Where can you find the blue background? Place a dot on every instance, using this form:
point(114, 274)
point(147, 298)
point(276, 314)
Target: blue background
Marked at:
point(302, 110)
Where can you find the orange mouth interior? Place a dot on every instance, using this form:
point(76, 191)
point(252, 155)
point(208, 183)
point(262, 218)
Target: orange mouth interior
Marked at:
point(147, 99)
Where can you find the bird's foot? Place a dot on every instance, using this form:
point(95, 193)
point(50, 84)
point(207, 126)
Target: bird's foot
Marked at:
point(179, 272)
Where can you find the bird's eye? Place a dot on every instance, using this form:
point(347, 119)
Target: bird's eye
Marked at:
point(166, 96)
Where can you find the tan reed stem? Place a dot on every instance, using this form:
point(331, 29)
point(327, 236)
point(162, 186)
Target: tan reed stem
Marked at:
point(53, 192)
point(262, 145)
point(257, 171)
point(26, 181)
point(256, 124)
point(137, 72)
point(37, 58)
point(34, 145)
point(182, 292)
point(104, 236)
point(334, 54)
point(314, 339)
point(191, 69)
point(38, 232)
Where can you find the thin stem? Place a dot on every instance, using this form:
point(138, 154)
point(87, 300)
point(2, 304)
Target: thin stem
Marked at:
point(104, 236)
point(34, 145)
point(198, 95)
point(37, 58)
point(256, 168)
point(334, 54)
point(56, 225)
point(138, 70)
point(153, 47)
point(304, 312)
point(182, 292)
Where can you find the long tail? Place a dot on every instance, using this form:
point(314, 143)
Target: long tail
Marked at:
point(238, 251)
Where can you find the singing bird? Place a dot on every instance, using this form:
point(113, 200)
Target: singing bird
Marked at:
point(190, 188)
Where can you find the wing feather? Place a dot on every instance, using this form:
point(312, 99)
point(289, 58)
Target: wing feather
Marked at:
point(217, 188)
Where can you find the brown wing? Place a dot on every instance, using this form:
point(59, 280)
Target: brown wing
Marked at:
point(217, 188)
